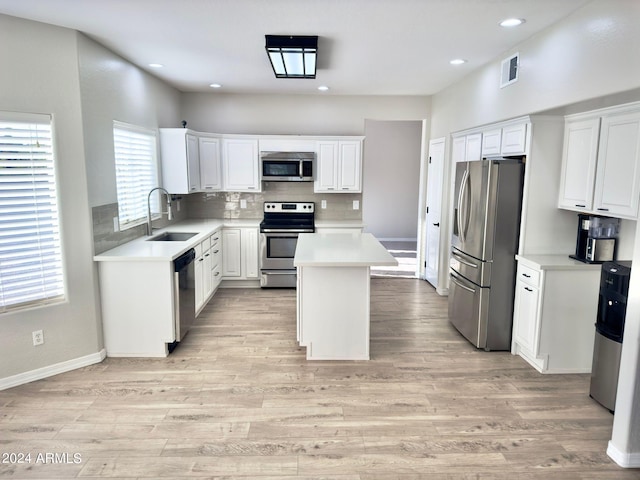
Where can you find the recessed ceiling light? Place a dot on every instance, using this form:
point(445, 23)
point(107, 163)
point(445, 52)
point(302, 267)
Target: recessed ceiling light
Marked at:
point(512, 22)
point(323, 88)
point(156, 65)
point(457, 61)
point(215, 85)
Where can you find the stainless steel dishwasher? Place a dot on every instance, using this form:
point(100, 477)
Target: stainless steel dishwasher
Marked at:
point(184, 293)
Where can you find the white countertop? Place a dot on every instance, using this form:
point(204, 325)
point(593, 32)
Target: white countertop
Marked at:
point(340, 250)
point(555, 262)
point(141, 249)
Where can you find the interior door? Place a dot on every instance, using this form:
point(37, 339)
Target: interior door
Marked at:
point(434, 201)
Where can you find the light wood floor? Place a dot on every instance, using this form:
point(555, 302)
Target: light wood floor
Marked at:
point(238, 400)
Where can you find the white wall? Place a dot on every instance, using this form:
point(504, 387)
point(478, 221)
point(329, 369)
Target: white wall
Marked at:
point(113, 89)
point(40, 74)
point(295, 114)
point(588, 55)
point(391, 178)
point(85, 86)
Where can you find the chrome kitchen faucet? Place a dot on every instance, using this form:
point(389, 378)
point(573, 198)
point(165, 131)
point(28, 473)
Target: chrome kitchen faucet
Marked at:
point(168, 212)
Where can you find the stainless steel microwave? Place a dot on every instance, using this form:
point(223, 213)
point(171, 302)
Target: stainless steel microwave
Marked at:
point(287, 166)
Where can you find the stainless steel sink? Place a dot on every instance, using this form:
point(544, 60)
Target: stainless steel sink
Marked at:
point(172, 237)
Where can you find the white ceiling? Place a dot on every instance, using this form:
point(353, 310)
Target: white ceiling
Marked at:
point(366, 47)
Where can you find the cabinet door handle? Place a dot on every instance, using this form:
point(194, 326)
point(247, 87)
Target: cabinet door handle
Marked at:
point(206, 254)
point(603, 209)
point(580, 206)
point(528, 289)
point(201, 259)
point(216, 251)
point(436, 224)
point(526, 275)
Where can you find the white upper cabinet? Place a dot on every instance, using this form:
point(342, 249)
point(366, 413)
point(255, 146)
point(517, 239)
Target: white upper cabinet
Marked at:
point(473, 149)
point(241, 165)
point(338, 166)
point(601, 163)
point(180, 159)
point(458, 149)
point(580, 152)
point(210, 164)
point(514, 140)
point(350, 164)
point(491, 142)
point(617, 191)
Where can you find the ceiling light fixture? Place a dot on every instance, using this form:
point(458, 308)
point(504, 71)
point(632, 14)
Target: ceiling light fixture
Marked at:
point(292, 56)
point(323, 88)
point(512, 22)
point(156, 65)
point(457, 61)
point(215, 85)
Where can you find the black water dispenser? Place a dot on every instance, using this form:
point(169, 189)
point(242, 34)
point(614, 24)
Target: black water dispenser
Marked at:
point(612, 307)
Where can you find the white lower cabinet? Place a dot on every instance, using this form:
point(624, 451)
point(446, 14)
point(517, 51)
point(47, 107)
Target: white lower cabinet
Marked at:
point(207, 269)
point(554, 314)
point(240, 253)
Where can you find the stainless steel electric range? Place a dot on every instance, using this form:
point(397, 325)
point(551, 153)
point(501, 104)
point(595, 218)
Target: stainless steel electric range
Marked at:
point(279, 230)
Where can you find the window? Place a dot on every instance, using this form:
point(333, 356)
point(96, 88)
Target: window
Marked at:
point(31, 271)
point(136, 172)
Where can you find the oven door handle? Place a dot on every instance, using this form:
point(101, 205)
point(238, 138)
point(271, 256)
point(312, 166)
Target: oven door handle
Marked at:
point(291, 232)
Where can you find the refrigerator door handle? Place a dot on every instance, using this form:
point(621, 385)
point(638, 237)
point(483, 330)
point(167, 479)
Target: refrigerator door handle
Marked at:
point(464, 287)
point(463, 184)
point(463, 261)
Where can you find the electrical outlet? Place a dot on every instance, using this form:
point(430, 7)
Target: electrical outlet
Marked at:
point(116, 224)
point(38, 337)
point(178, 205)
point(356, 204)
point(323, 204)
point(243, 203)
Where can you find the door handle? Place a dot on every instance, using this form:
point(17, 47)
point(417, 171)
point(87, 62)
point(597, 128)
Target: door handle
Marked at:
point(464, 287)
point(463, 261)
point(463, 183)
point(436, 224)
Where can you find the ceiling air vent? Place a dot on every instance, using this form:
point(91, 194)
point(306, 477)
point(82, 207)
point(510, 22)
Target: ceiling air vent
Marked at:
point(509, 70)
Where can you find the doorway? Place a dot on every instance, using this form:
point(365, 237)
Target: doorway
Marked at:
point(391, 189)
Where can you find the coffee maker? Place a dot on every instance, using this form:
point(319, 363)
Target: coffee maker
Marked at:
point(596, 238)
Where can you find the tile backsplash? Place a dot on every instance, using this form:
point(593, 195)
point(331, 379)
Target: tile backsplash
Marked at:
point(227, 205)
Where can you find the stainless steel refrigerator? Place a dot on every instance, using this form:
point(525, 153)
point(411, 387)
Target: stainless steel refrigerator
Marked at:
point(486, 226)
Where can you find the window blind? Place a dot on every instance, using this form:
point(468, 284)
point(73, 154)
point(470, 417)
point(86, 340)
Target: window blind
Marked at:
point(31, 270)
point(136, 172)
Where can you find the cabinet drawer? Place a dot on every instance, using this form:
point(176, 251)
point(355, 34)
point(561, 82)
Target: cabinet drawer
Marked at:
point(528, 275)
point(215, 240)
point(206, 244)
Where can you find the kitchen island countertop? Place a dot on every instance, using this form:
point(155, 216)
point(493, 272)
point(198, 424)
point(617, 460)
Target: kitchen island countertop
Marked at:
point(341, 250)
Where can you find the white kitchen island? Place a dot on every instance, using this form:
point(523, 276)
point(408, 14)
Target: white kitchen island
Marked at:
point(333, 293)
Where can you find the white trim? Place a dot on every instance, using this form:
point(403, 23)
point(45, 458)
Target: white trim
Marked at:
point(625, 460)
point(51, 370)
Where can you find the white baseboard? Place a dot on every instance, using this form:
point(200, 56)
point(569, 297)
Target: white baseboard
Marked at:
point(625, 460)
point(51, 370)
